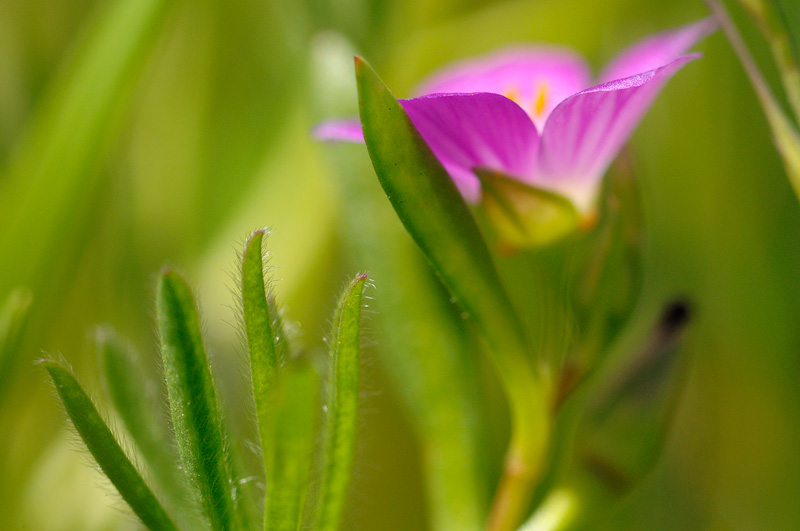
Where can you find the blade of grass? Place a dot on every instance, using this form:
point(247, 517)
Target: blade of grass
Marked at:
point(785, 135)
point(193, 403)
point(342, 406)
point(292, 448)
point(106, 451)
point(767, 14)
point(13, 318)
point(54, 177)
point(437, 218)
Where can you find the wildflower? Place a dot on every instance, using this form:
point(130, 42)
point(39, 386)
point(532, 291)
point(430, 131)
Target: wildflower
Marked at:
point(533, 115)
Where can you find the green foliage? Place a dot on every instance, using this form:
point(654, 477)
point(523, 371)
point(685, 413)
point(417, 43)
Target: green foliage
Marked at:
point(193, 402)
point(434, 213)
point(286, 394)
point(261, 340)
point(106, 451)
point(50, 186)
point(437, 218)
point(293, 434)
point(342, 405)
point(13, 317)
point(136, 401)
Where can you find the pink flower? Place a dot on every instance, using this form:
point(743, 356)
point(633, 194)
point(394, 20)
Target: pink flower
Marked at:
point(533, 114)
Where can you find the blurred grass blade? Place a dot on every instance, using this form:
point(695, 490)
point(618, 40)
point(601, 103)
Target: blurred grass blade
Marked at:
point(135, 399)
point(294, 433)
point(785, 135)
point(769, 18)
point(53, 180)
point(13, 317)
point(193, 403)
point(342, 406)
point(613, 430)
point(106, 451)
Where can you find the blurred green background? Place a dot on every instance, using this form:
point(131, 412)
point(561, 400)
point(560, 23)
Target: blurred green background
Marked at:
point(136, 134)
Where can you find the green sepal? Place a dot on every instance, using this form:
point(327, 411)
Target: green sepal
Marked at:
point(193, 403)
point(342, 406)
point(106, 450)
point(524, 216)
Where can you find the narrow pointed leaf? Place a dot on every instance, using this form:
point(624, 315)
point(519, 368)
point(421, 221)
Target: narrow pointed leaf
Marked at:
point(434, 213)
point(258, 321)
point(437, 218)
point(523, 215)
point(424, 351)
point(13, 317)
point(193, 403)
point(106, 450)
point(342, 406)
point(296, 403)
point(135, 399)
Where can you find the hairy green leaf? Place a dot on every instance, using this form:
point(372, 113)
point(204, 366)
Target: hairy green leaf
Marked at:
point(296, 405)
point(193, 403)
point(106, 450)
point(135, 399)
point(342, 406)
point(261, 339)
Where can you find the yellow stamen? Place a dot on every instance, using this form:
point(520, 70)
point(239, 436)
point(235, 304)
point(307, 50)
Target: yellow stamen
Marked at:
point(512, 94)
point(541, 99)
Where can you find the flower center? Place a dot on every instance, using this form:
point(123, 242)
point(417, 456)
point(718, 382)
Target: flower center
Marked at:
point(540, 99)
point(534, 105)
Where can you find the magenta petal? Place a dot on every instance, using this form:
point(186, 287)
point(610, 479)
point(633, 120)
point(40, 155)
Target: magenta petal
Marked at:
point(339, 131)
point(657, 50)
point(520, 73)
point(586, 131)
point(466, 131)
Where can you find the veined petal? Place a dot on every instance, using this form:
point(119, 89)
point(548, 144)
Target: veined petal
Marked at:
point(484, 130)
point(536, 78)
point(587, 130)
point(339, 131)
point(657, 50)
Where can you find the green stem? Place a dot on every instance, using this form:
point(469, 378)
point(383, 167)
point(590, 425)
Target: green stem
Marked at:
point(524, 461)
point(558, 512)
